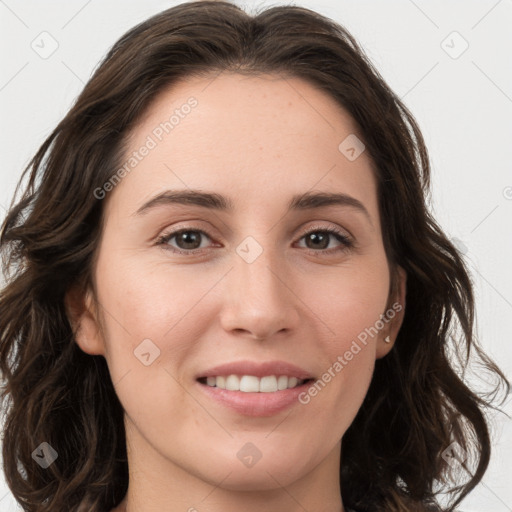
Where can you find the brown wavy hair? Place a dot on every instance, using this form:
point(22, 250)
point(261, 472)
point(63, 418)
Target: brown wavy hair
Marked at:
point(418, 402)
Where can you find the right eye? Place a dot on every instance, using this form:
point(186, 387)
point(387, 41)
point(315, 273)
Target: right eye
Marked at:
point(185, 237)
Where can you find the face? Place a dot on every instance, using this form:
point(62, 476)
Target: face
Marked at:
point(269, 289)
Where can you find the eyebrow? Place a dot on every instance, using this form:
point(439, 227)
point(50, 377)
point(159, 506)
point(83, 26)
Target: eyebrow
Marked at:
point(214, 201)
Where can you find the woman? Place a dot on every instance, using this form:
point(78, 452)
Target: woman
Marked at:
point(225, 291)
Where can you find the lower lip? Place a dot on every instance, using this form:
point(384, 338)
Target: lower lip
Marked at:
point(255, 404)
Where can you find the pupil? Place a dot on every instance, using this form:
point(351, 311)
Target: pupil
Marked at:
point(186, 236)
point(315, 237)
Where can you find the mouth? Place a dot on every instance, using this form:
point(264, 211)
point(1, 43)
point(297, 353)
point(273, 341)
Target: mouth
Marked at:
point(254, 388)
point(251, 395)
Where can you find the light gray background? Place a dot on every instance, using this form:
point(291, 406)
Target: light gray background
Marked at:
point(463, 104)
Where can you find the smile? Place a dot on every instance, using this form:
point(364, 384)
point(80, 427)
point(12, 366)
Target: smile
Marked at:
point(252, 384)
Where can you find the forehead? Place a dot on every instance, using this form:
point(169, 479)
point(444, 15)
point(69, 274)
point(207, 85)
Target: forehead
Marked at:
point(258, 140)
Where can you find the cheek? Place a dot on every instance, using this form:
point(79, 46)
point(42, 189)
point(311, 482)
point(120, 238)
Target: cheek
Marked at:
point(350, 307)
point(351, 303)
point(147, 314)
point(149, 337)
point(148, 300)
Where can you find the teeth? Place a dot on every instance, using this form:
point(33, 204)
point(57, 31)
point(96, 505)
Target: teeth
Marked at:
point(268, 384)
point(251, 384)
point(292, 382)
point(282, 382)
point(232, 383)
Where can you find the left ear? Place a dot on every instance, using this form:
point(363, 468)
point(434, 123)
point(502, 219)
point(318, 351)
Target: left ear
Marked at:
point(396, 305)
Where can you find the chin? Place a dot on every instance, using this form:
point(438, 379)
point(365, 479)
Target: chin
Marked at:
point(262, 479)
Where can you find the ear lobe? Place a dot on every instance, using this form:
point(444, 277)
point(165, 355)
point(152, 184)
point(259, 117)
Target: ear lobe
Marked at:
point(83, 318)
point(396, 304)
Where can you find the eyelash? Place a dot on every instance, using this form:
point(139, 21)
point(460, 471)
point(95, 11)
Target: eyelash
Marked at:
point(348, 244)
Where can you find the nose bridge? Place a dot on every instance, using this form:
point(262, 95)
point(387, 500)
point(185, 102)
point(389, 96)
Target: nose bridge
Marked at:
point(258, 269)
point(260, 300)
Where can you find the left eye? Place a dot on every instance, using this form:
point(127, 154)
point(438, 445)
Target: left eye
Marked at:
point(189, 240)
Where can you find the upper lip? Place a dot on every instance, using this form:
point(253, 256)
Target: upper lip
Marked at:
point(257, 369)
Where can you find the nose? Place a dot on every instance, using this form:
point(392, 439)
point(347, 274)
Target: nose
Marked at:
point(260, 302)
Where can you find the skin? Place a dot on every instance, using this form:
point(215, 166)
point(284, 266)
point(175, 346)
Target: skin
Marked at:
point(258, 141)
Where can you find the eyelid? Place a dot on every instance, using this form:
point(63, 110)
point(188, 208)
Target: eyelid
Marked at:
point(319, 227)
